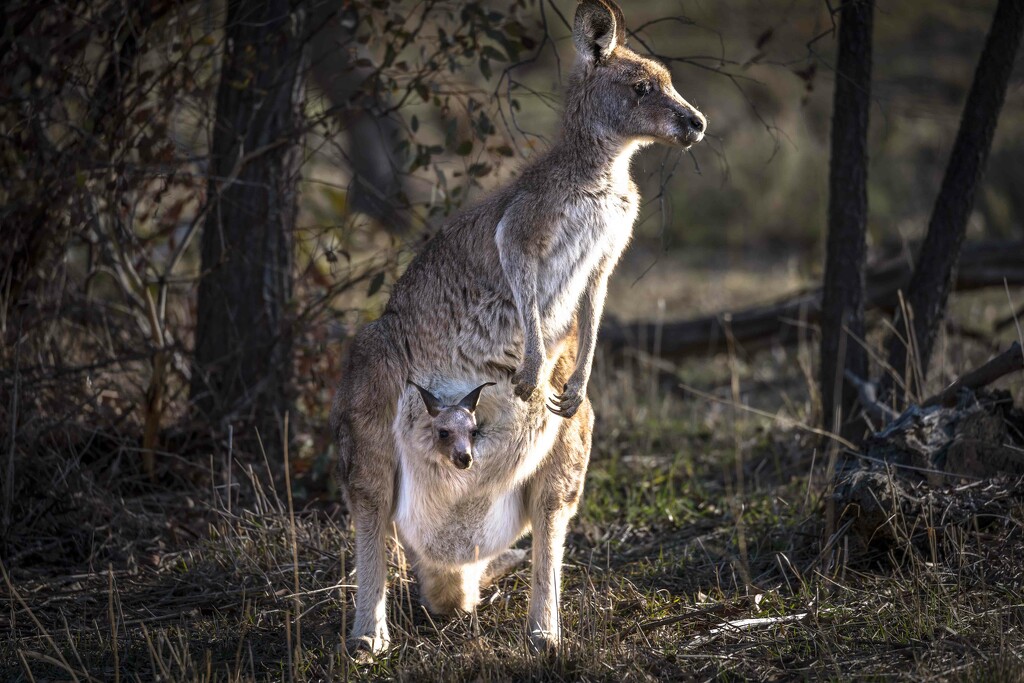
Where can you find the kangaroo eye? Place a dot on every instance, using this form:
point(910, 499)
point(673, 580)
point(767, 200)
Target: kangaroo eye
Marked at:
point(643, 87)
point(475, 433)
point(443, 433)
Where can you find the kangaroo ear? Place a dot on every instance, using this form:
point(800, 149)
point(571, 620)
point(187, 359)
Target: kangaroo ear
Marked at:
point(433, 405)
point(470, 400)
point(597, 29)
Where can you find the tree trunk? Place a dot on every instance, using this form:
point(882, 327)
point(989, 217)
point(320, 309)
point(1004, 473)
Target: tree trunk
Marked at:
point(243, 335)
point(842, 315)
point(935, 268)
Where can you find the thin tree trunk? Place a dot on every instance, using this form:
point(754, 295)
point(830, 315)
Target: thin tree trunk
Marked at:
point(243, 336)
point(842, 320)
point(935, 269)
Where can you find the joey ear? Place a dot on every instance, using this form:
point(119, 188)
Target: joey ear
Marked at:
point(433, 404)
point(470, 400)
point(597, 29)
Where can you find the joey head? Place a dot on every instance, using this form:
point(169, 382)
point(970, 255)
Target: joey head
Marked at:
point(454, 427)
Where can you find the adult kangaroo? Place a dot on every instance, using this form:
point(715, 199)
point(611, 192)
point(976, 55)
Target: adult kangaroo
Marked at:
point(510, 291)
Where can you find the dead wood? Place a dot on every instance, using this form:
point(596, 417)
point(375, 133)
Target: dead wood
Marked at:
point(982, 265)
point(979, 436)
point(897, 516)
point(1011, 360)
point(908, 490)
point(910, 477)
point(962, 431)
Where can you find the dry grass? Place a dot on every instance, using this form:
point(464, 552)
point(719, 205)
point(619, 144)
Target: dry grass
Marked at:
point(705, 548)
point(698, 554)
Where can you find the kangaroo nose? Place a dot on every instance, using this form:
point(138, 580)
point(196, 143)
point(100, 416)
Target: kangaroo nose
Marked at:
point(462, 460)
point(692, 124)
point(698, 122)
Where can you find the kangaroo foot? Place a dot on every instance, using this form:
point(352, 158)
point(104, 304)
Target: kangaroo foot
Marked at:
point(502, 565)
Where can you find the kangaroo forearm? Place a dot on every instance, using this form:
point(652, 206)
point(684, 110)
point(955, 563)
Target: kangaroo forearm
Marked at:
point(533, 334)
point(529, 318)
point(590, 321)
point(521, 273)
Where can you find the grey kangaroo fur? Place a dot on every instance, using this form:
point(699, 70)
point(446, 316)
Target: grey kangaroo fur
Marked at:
point(510, 291)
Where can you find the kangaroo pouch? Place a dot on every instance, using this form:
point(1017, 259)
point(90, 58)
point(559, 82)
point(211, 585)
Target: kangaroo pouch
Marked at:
point(448, 516)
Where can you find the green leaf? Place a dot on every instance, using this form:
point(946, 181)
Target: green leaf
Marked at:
point(375, 284)
point(492, 52)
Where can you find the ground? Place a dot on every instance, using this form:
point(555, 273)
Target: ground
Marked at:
point(707, 547)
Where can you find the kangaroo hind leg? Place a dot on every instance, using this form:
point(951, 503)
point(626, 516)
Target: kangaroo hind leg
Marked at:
point(362, 419)
point(554, 496)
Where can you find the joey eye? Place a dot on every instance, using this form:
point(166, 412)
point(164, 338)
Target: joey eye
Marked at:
point(442, 433)
point(475, 433)
point(642, 88)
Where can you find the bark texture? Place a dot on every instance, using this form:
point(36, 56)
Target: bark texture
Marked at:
point(842, 314)
point(243, 335)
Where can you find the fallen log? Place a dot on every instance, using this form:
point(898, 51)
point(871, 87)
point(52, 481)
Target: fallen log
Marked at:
point(982, 265)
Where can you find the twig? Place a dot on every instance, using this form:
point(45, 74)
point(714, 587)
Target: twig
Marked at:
point(59, 663)
point(1009, 361)
point(295, 557)
point(1009, 320)
point(867, 394)
point(771, 416)
point(26, 667)
point(153, 405)
point(746, 625)
point(113, 624)
point(9, 478)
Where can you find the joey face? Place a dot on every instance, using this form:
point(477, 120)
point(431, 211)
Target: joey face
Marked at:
point(455, 432)
point(620, 93)
point(453, 428)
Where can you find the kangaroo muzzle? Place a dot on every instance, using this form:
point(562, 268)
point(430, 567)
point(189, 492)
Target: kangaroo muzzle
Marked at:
point(692, 125)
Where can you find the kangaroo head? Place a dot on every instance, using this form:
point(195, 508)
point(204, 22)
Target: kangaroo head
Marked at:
point(454, 427)
point(620, 94)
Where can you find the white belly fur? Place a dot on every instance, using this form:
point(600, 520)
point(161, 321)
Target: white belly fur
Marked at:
point(595, 231)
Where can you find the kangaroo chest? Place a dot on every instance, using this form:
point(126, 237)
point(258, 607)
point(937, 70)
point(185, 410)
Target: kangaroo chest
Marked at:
point(587, 242)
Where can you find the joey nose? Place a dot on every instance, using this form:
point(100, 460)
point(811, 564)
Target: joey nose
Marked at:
point(462, 460)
